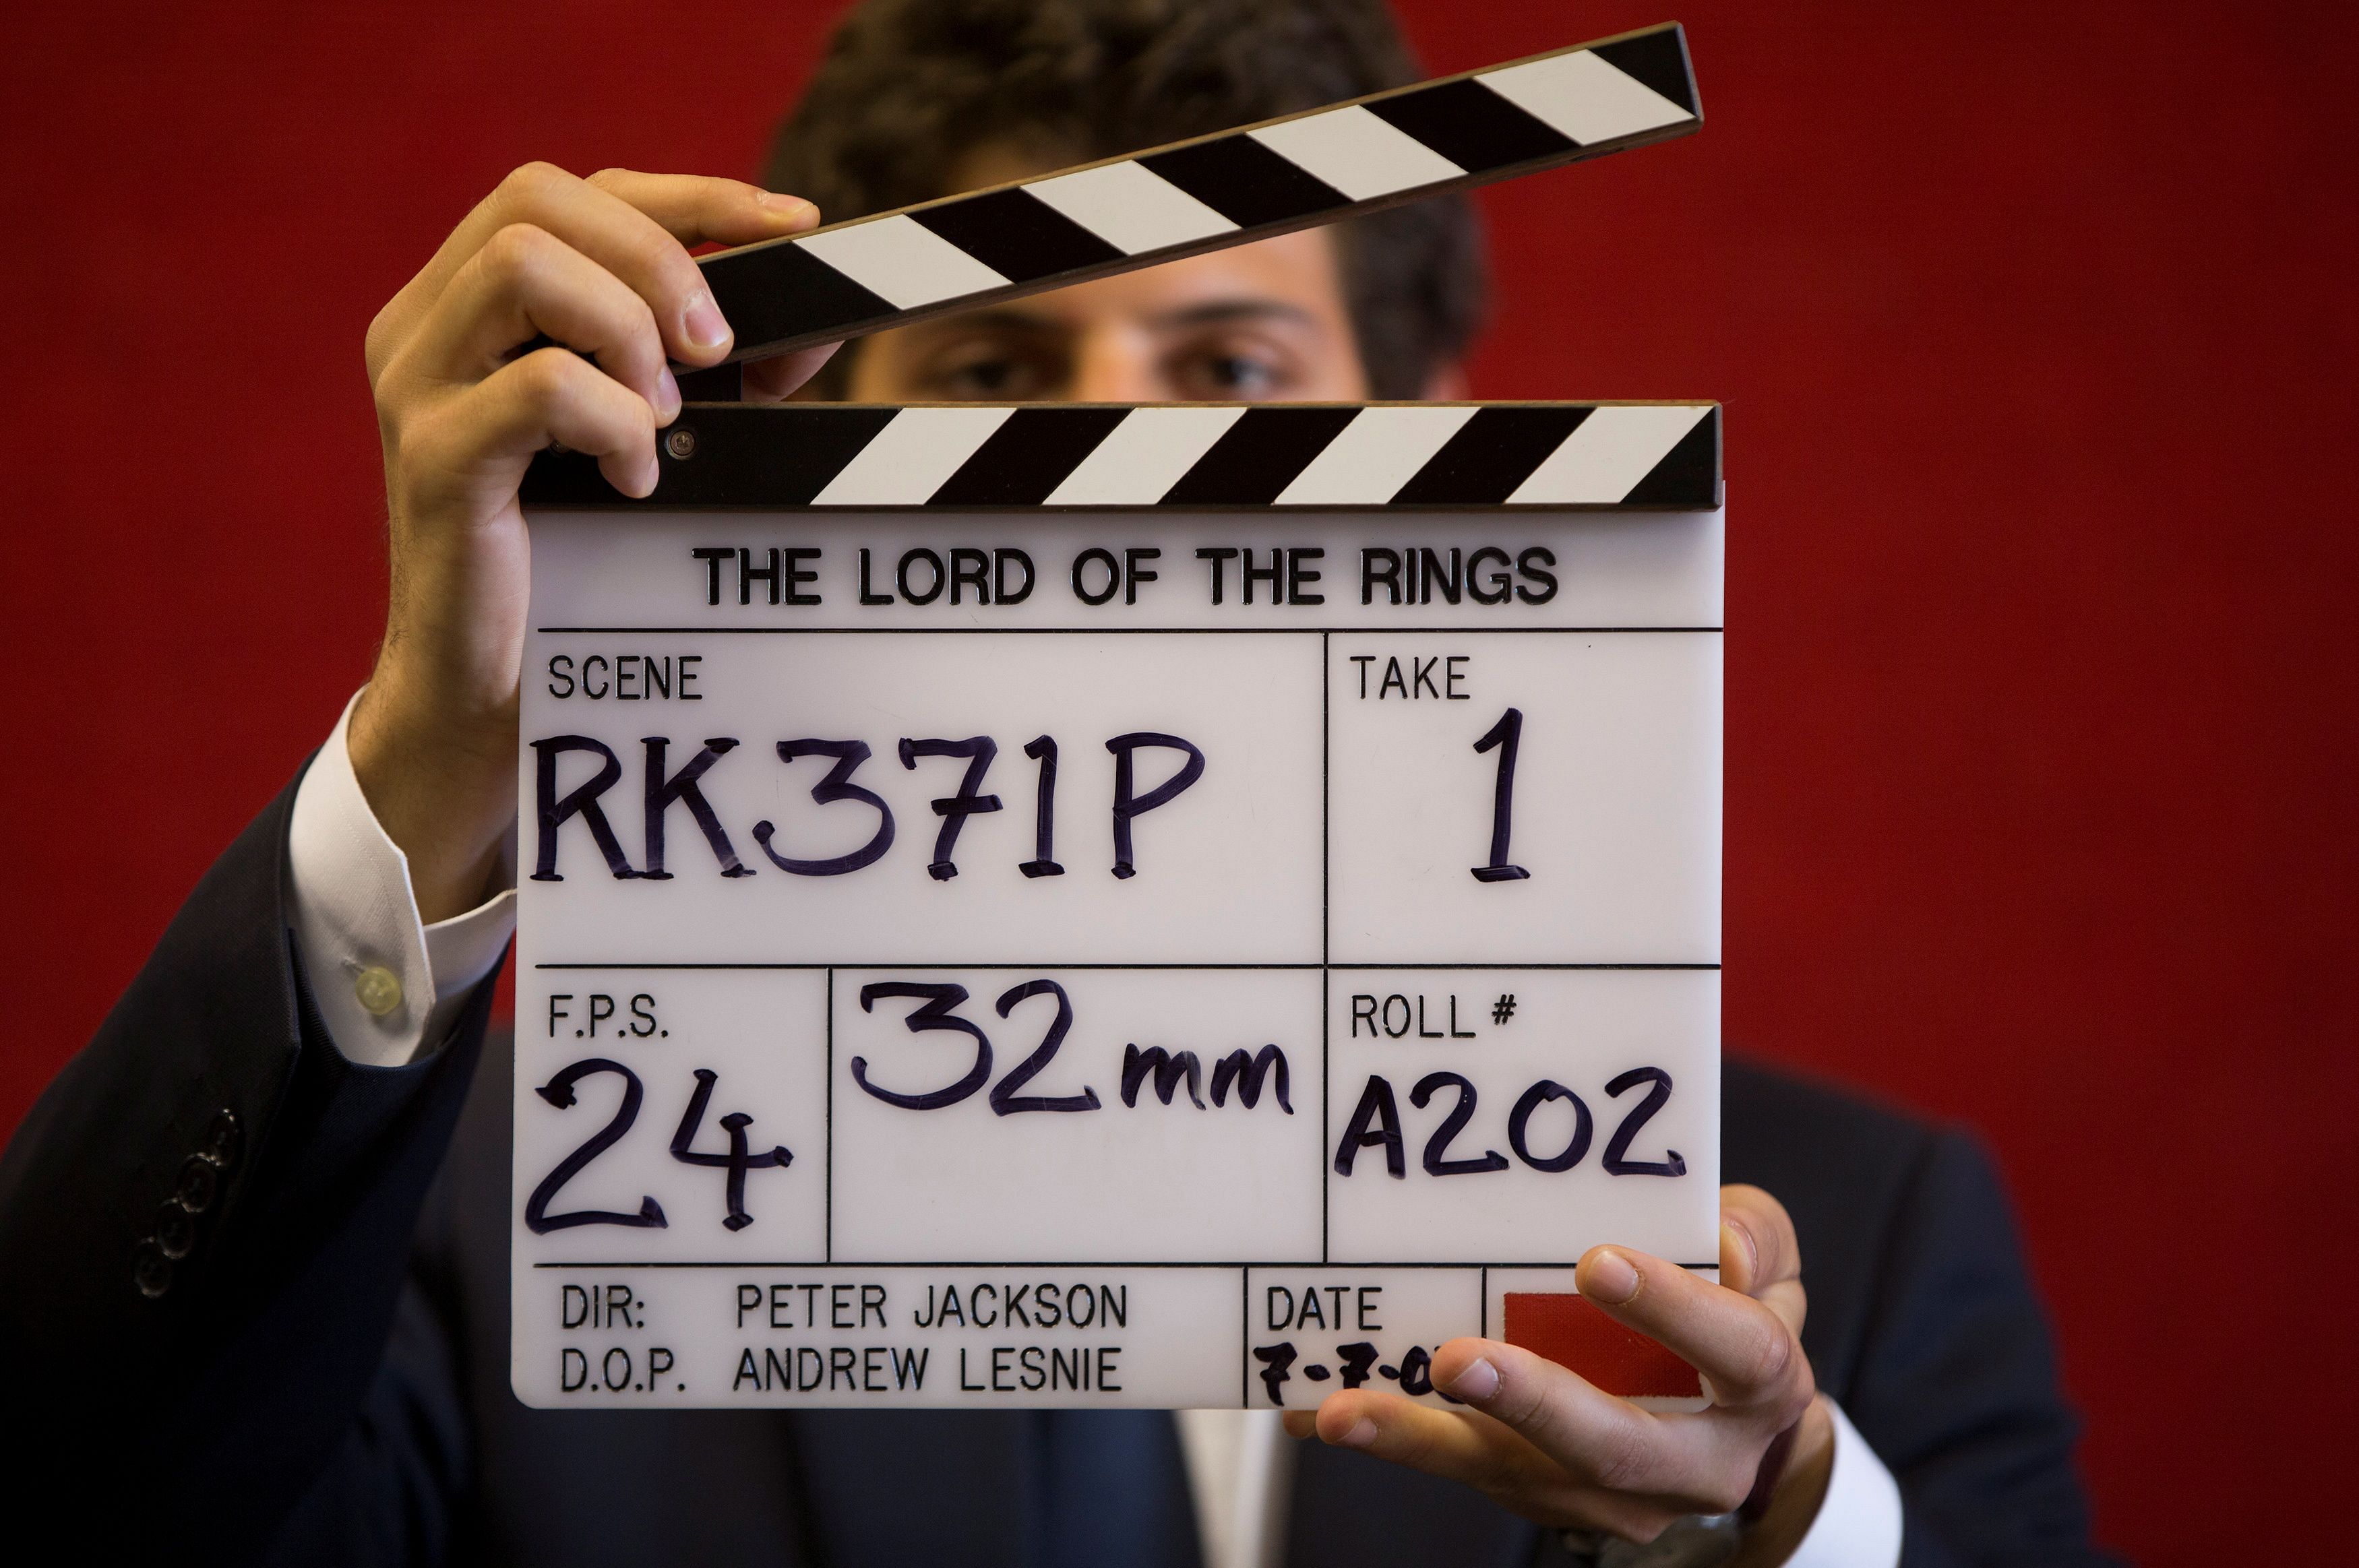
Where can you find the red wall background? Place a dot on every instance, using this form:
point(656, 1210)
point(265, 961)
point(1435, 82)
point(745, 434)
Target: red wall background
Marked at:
point(2041, 721)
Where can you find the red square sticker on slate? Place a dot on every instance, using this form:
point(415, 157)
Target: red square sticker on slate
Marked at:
point(1572, 1333)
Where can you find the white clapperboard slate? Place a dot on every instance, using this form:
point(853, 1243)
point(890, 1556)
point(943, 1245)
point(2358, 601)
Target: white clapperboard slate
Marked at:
point(1180, 905)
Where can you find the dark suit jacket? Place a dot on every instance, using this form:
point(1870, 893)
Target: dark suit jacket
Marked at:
point(323, 1376)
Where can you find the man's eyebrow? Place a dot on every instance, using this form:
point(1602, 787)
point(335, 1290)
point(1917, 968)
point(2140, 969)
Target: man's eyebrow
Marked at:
point(1004, 318)
point(1217, 312)
point(1016, 319)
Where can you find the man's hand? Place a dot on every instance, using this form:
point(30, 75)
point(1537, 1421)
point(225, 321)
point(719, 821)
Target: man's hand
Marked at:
point(1548, 1445)
point(601, 265)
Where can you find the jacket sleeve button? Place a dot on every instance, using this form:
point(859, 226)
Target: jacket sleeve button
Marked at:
point(223, 1138)
point(152, 1272)
point(176, 1230)
point(198, 1185)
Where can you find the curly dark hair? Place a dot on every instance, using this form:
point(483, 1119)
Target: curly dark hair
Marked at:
point(909, 88)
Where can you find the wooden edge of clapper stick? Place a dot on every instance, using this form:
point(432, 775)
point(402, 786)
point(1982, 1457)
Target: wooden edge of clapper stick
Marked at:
point(1323, 165)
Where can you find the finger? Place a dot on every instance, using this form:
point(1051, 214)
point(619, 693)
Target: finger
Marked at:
point(772, 380)
point(1488, 1454)
point(1590, 1432)
point(699, 210)
point(526, 282)
point(1742, 1345)
point(1757, 1247)
point(1301, 1423)
point(554, 396)
point(690, 210)
point(1759, 1256)
point(1788, 1302)
point(644, 252)
point(1440, 1443)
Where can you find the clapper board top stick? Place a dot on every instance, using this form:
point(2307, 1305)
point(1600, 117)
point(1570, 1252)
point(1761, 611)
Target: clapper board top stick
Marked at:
point(1317, 167)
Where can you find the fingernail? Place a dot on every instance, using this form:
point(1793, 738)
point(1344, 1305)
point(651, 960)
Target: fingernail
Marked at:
point(667, 397)
point(1478, 1382)
point(1612, 1278)
point(792, 208)
point(1731, 1229)
point(1362, 1433)
point(702, 321)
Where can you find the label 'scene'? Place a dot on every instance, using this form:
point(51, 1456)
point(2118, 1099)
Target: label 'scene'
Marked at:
point(1174, 960)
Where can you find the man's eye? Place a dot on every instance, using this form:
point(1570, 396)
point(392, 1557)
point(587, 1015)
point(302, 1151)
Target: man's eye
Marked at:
point(1242, 374)
point(1226, 376)
point(984, 371)
point(981, 378)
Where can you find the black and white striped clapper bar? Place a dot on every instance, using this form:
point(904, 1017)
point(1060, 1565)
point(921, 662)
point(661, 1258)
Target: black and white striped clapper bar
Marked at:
point(1086, 905)
point(1202, 195)
point(1174, 455)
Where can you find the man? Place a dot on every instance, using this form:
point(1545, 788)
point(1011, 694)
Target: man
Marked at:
point(255, 1233)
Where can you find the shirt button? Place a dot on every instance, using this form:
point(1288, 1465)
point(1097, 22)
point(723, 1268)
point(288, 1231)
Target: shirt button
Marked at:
point(377, 989)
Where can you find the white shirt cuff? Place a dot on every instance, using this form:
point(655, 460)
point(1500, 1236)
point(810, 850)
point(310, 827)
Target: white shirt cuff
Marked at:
point(1859, 1522)
point(385, 985)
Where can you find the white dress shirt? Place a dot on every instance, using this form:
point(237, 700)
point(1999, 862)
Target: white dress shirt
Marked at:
point(388, 986)
point(385, 984)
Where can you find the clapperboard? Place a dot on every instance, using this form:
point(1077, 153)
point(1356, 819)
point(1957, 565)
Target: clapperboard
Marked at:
point(1179, 906)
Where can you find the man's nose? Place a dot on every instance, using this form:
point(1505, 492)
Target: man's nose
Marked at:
point(1113, 364)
